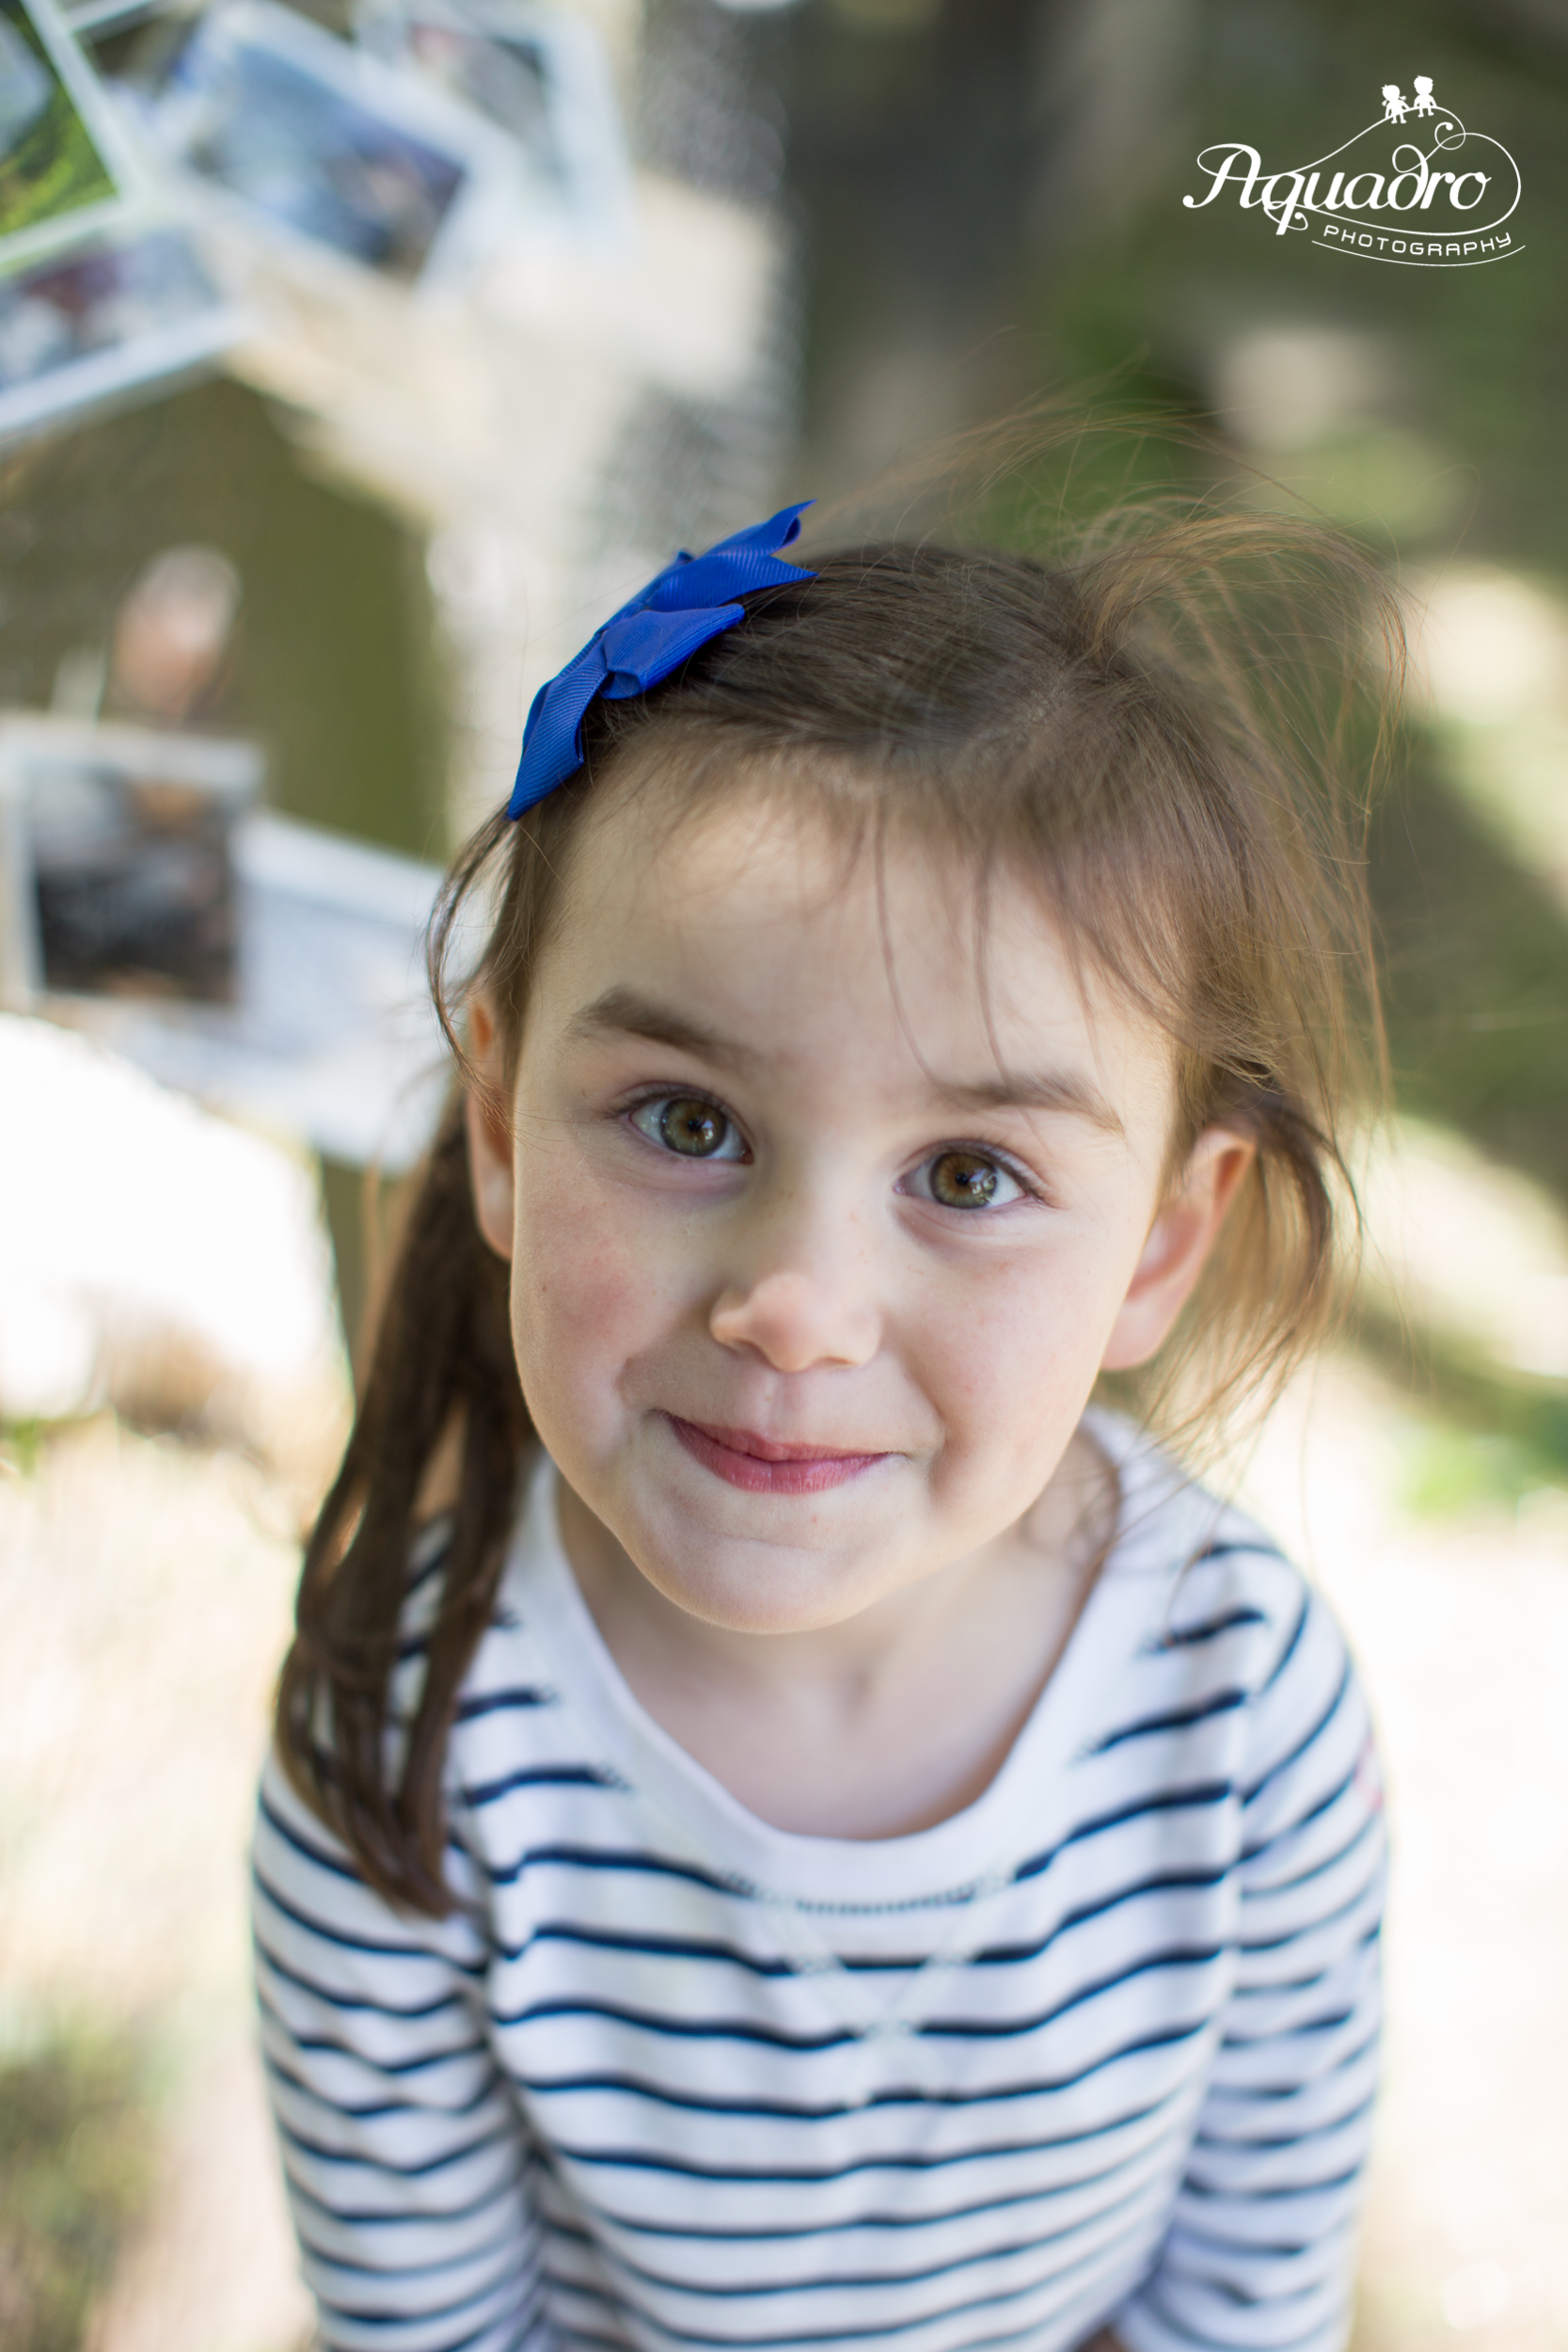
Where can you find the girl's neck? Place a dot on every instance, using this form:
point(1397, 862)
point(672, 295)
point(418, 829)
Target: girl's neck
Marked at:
point(885, 1723)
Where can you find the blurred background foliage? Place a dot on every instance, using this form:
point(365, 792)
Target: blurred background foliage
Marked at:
point(74, 2174)
point(337, 670)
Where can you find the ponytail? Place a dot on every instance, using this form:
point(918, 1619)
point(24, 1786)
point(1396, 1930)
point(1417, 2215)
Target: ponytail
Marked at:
point(443, 1361)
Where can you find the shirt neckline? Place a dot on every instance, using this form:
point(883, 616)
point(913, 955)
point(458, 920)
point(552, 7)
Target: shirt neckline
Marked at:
point(1162, 1519)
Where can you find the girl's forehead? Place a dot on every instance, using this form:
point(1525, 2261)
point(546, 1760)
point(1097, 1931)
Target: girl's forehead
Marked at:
point(767, 913)
point(751, 872)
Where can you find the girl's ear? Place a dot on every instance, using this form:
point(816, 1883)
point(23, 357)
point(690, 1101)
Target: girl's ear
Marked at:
point(1179, 1241)
point(489, 1131)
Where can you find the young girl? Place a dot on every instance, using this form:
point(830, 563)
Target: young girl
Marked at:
point(791, 1826)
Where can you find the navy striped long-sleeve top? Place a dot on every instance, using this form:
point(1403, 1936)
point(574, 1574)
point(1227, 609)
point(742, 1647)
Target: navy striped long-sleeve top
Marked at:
point(1100, 2049)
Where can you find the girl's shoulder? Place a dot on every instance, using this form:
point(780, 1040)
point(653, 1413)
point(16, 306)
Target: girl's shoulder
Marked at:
point(1233, 1672)
point(1210, 1576)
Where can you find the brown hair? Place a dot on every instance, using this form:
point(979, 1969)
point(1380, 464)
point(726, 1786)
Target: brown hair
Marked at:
point(1160, 731)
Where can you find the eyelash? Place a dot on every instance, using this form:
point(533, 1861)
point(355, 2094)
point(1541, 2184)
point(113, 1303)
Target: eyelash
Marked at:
point(1026, 1187)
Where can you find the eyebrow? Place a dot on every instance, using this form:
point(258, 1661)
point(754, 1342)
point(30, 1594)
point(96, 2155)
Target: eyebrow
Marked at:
point(626, 1012)
point(1060, 1091)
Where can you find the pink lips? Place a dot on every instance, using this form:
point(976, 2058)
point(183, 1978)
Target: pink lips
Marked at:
point(761, 1467)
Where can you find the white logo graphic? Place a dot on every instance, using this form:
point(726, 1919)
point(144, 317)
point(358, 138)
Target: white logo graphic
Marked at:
point(1442, 205)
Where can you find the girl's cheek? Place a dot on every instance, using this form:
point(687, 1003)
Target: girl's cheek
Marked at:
point(1032, 1335)
point(587, 1287)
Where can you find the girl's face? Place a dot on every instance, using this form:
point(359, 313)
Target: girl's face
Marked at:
point(817, 1244)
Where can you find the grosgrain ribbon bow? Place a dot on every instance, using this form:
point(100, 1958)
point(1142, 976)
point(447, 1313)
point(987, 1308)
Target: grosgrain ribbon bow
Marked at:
point(688, 602)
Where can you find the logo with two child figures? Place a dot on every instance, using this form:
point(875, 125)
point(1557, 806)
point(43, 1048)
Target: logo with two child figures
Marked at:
point(1441, 199)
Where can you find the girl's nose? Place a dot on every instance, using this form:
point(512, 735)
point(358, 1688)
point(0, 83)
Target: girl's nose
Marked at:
point(796, 1321)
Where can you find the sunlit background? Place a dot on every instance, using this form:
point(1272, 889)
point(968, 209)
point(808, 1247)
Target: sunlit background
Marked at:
point(314, 460)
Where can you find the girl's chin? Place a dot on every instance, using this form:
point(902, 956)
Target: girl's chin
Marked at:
point(790, 1571)
point(763, 1605)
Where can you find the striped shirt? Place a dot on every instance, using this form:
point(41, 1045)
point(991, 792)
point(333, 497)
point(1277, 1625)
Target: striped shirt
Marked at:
point(1100, 2049)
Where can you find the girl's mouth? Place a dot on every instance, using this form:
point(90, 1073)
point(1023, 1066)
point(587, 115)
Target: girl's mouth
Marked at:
point(762, 1466)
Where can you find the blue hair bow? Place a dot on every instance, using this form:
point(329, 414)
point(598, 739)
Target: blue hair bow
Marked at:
point(688, 602)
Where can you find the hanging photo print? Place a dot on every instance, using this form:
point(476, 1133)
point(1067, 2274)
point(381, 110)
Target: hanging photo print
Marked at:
point(82, 329)
point(328, 148)
point(541, 75)
point(119, 857)
point(64, 167)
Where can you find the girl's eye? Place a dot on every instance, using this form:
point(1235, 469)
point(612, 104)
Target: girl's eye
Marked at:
point(968, 1179)
point(689, 1126)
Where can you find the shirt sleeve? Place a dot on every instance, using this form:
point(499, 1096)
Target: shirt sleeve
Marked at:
point(403, 2151)
point(1260, 2256)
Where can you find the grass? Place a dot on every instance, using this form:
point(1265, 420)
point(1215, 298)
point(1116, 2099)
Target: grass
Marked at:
point(73, 2175)
point(55, 167)
point(21, 1445)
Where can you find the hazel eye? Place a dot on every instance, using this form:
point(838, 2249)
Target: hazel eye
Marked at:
point(968, 1179)
point(689, 1126)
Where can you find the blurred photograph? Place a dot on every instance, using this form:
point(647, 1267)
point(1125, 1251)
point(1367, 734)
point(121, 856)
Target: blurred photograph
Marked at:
point(61, 167)
point(325, 144)
point(119, 858)
point(539, 74)
point(124, 312)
